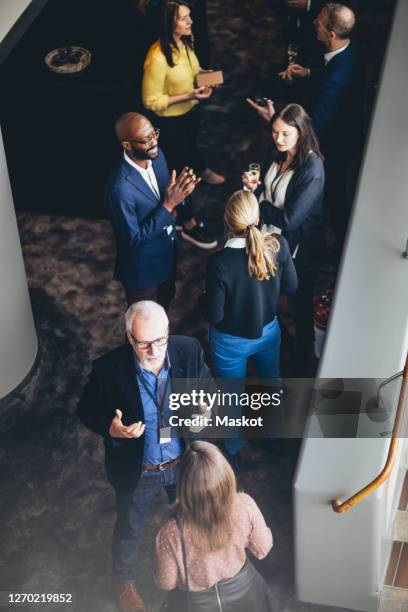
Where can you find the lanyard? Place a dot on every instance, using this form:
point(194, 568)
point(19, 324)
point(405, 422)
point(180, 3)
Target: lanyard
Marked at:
point(276, 181)
point(159, 404)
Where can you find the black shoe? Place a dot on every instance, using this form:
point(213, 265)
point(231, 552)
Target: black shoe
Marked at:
point(199, 236)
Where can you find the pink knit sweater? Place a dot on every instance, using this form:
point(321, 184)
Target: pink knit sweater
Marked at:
point(204, 570)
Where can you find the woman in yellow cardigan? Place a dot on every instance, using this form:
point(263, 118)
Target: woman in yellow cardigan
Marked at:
point(169, 90)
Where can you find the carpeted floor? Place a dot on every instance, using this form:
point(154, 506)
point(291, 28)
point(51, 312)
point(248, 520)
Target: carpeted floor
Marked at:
point(58, 509)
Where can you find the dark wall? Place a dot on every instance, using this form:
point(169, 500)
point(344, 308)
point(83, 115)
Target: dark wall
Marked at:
point(58, 131)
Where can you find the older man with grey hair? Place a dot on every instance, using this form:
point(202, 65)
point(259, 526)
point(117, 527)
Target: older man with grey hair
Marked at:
point(126, 400)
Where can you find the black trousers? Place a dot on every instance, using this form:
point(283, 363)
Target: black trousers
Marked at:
point(163, 293)
point(337, 198)
point(178, 140)
point(342, 174)
point(303, 305)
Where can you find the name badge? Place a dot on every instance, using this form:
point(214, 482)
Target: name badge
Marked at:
point(169, 229)
point(165, 435)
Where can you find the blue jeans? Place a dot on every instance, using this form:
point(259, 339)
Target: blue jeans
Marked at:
point(230, 353)
point(131, 511)
point(230, 356)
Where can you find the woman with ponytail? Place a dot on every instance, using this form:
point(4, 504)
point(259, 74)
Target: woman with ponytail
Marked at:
point(243, 285)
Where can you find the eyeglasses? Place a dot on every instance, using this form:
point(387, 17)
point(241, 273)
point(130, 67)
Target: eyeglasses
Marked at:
point(153, 136)
point(144, 345)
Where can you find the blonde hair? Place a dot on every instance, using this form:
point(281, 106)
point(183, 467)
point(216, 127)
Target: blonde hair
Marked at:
point(241, 218)
point(206, 493)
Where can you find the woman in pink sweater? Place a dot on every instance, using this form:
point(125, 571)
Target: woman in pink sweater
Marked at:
point(201, 551)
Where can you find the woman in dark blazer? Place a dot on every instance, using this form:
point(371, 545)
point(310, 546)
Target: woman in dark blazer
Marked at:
point(243, 285)
point(291, 203)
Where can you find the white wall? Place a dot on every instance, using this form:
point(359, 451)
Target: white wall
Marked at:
point(18, 341)
point(10, 11)
point(341, 559)
point(16, 16)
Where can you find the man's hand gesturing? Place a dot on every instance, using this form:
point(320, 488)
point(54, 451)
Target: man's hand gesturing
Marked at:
point(118, 430)
point(179, 188)
point(294, 71)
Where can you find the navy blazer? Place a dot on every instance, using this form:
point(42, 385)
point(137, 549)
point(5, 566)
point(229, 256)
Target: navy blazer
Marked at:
point(301, 219)
point(113, 384)
point(145, 250)
point(337, 113)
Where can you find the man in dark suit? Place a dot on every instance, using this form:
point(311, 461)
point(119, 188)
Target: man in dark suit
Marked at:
point(126, 400)
point(337, 107)
point(298, 19)
point(140, 198)
point(337, 111)
point(338, 85)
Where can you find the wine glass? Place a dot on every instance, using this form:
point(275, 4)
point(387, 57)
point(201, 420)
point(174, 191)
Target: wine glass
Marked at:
point(293, 51)
point(254, 172)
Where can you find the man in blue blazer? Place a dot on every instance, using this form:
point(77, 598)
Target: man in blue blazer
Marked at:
point(127, 401)
point(140, 198)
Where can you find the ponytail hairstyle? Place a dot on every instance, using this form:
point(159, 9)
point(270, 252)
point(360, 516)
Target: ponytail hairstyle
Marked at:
point(241, 218)
point(168, 18)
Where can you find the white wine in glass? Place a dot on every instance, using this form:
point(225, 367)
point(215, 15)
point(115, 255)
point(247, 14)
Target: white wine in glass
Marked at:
point(254, 173)
point(293, 51)
point(252, 177)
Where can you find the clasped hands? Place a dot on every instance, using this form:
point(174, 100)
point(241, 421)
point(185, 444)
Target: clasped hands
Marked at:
point(179, 188)
point(118, 430)
point(294, 71)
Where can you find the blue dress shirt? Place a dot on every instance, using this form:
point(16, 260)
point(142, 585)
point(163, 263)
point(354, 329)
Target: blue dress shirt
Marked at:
point(154, 451)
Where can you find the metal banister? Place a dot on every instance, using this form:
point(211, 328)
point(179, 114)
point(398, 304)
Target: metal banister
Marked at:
point(341, 507)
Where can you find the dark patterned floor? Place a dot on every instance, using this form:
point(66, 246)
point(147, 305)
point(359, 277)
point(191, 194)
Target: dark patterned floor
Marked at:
point(58, 510)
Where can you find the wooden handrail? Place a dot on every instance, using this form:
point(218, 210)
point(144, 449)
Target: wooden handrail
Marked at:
point(339, 506)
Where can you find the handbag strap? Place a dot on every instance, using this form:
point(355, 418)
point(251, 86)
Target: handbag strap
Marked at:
point(183, 548)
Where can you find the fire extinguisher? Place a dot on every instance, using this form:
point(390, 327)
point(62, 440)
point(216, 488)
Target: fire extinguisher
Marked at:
point(321, 313)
